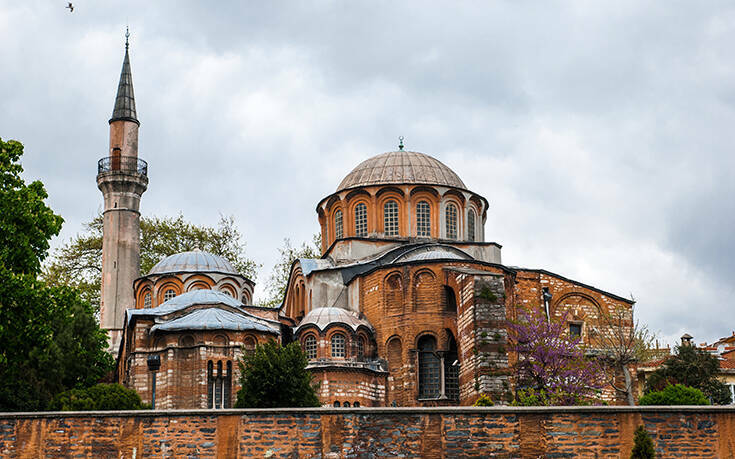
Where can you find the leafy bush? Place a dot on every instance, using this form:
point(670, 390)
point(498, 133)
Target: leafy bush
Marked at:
point(642, 445)
point(101, 397)
point(275, 376)
point(484, 400)
point(532, 397)
point(675, 395)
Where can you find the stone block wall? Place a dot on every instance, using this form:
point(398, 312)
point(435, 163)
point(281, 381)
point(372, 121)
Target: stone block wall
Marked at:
point(599, 432)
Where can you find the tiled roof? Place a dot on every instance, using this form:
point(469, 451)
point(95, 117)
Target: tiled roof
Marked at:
point(323, 317)
point(194, 261)
point(397, 167)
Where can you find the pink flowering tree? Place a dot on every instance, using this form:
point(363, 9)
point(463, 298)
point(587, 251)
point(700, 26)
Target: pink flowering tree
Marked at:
point(551, 368)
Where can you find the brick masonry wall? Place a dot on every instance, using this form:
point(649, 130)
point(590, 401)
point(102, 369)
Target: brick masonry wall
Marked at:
point(703, 432)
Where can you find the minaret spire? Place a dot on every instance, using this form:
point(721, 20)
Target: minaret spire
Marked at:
point(125, 100)
point(123, 178)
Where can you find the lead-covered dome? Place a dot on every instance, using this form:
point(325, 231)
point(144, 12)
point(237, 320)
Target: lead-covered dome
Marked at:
point(194, 261)
point(397, 167)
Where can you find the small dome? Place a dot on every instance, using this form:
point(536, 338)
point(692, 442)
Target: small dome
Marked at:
point(194, 261)
point(196, 297)
point(397, 167)
point(323, 317)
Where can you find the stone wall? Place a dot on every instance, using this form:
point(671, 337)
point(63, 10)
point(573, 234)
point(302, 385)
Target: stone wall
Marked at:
point(370, 432)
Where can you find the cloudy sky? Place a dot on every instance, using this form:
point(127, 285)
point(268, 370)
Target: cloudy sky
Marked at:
point(602, 133)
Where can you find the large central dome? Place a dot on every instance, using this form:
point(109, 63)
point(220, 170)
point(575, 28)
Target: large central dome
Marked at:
point(397, 167)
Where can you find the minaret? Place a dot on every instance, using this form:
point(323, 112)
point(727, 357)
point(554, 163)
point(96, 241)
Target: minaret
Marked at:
point(122, 178)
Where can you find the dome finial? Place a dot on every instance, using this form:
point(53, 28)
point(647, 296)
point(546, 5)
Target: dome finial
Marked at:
point(127, 35)
point(400, 143)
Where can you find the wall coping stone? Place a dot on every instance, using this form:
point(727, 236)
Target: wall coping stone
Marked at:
point(446, 410)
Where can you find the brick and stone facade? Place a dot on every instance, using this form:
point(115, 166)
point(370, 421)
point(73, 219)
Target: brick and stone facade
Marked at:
point(589, 432)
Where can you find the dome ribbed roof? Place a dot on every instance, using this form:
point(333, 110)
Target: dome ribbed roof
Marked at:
point(401, 167)
point(194, 261)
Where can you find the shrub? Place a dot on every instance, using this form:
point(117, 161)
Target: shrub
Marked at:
point(101, 397)
point(642, 445)
point(532, 397)
point(675, 395)
point(484, 400)
point(275, 376)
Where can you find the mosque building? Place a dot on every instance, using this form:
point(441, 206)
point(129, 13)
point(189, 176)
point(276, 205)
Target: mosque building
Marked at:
point(406, 306)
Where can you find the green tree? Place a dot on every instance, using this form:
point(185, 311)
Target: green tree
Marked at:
point(275, 376)
point(693, 367)
point(100, 397)
point(49, 340)
point(79, 262)
point(676, 394)
point(642, 445)
point(278, 280)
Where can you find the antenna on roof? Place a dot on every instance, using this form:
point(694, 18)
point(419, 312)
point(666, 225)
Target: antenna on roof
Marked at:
point(400, 143)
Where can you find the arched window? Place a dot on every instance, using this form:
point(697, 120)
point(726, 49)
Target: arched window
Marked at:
point(147, 300)
point(450, 298)
point(451, 221)
point(356, 404)
point(336, 404)
point(429, 368)
point(338, 345)
point(360, 346)
point(310, 347)
point(346, 404)
point(210, 385)
point(361, 220)
point(390, 218)
point(187, 341)
point(218, 386)
point(226, 291)
point(168, 294)
point(338, 225)
point(423, 219)
point(471, 225)
point(228, 386)
point(451, 370)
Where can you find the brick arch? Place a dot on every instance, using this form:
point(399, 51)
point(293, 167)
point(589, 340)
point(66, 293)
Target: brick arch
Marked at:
point(146, 288)
point(170, 283)
point(393, 297)
point(459, 208)
point(358, 193)
point(423, 289)
point(433, 200)
point(456, 195)
point(390, 189)
point(561, 302)
point(424, 189)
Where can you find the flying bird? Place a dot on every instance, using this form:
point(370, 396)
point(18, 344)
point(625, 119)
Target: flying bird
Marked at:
point(70, 7)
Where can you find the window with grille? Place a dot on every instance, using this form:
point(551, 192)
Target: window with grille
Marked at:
point(575, 330)
point(451, 221)
point(429, 370)
point(310, 347)
point(451, 371)
point(423, 219)
point(471, 225)
point(147, 300)
point(361, 220)
point(338, 345)
point(361, 347)
point(338, 225)
point(390, 218)
point(170, 293)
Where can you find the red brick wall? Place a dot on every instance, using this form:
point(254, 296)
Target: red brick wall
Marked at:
point(424, 432)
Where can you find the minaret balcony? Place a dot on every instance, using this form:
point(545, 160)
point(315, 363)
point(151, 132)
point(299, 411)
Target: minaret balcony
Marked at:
point(124, 164)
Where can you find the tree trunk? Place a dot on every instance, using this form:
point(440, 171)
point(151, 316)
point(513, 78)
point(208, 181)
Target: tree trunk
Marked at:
point(628, 386)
